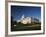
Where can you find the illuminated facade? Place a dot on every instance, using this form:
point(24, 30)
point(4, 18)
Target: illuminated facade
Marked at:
point(27, 20)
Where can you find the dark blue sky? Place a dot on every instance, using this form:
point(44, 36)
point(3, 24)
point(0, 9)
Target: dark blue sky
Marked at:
point(18, 11)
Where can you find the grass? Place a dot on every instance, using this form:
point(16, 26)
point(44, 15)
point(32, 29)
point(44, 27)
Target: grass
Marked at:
point(26, 27)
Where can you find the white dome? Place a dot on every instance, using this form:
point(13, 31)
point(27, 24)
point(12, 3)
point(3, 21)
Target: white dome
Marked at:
point(24, 20)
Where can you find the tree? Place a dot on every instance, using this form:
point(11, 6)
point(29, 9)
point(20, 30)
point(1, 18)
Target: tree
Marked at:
point(12, 26)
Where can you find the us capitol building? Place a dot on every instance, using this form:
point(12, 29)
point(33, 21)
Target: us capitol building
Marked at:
point(27, 20)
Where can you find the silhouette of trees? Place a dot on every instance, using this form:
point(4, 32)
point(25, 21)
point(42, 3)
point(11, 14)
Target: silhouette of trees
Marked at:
point(15, 22)
point(12, 26)
point(11, 20)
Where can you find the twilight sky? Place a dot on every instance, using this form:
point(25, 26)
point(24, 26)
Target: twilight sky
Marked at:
point(18, 11)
